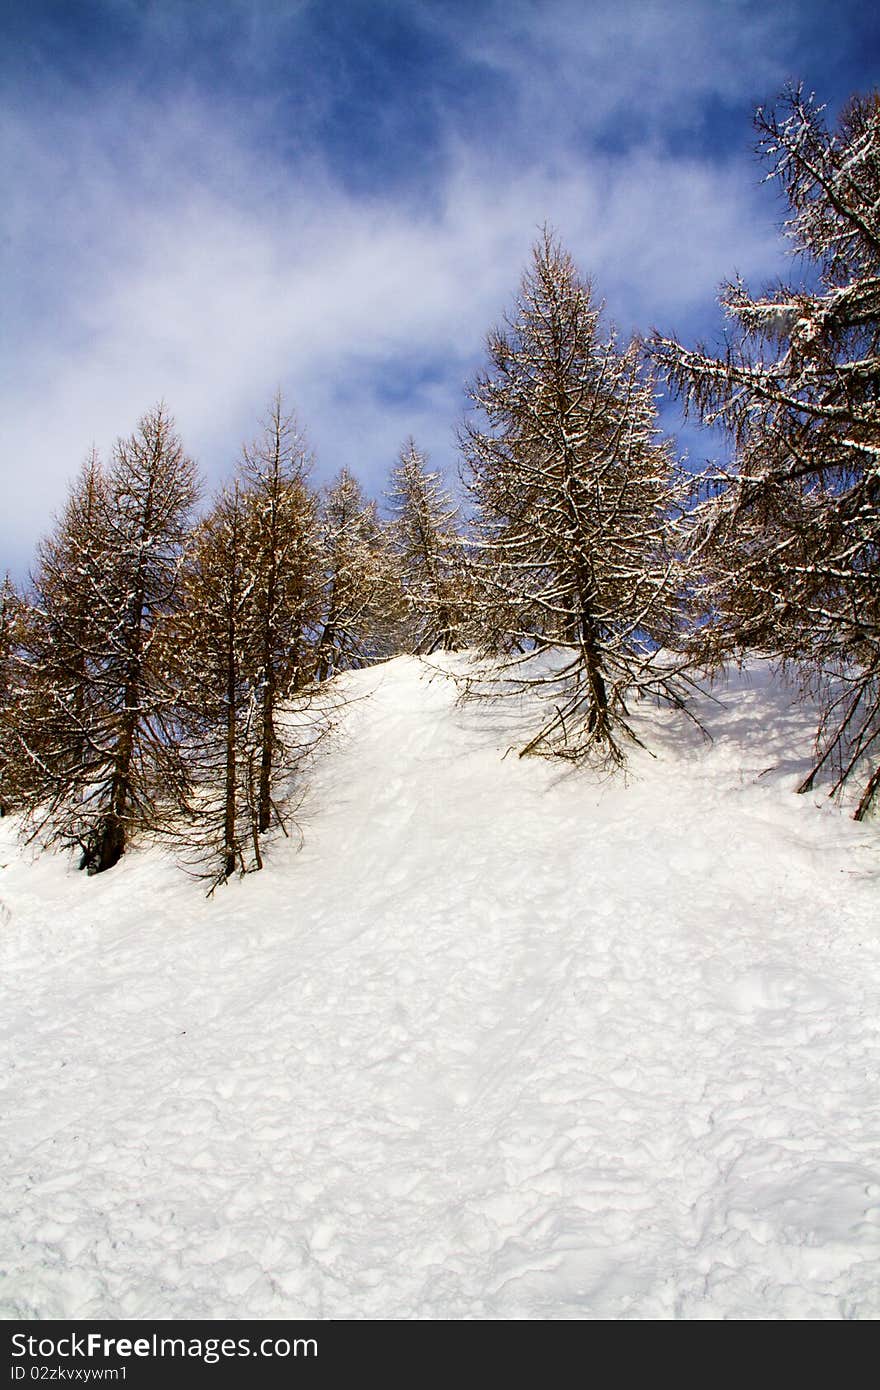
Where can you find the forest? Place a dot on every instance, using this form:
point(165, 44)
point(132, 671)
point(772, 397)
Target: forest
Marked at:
point(170, 664)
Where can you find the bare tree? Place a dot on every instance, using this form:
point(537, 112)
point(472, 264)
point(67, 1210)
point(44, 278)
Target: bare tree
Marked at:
point(209, 651)
point(573, 492)
point(10, 751)
point(68, 598)
point(95, 725)
point(362, 609)
point(56, 724)
point(287, 594)
point(788, 541)
point(429, 548)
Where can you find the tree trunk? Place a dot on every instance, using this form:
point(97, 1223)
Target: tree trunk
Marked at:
point(229, 816)
point(266, 753)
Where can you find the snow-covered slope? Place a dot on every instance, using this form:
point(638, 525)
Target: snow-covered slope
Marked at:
point(500, 1040)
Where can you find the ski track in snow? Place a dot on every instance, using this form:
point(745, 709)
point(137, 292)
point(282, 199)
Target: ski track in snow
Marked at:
point(500, 1041)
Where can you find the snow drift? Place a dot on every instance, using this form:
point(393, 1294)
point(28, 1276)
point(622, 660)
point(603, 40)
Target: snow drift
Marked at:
point(499, 1040)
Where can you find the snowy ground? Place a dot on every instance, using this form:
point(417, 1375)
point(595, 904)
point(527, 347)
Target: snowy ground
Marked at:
point(500, 1041)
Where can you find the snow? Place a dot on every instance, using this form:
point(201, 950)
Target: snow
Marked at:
point(501, 1040)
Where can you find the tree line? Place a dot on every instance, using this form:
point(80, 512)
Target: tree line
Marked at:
point(164, 673)
point(169, 674)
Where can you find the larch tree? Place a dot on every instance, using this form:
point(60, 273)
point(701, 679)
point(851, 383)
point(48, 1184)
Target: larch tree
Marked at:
point(361, 607)
point(429, 548)
point(210, 653)
point(153, 487)
point(253, 561)
point(286, 607)
point(96, 729)
point(10, 622)
point(57, 723)
point(574, 498)
point(787, 540)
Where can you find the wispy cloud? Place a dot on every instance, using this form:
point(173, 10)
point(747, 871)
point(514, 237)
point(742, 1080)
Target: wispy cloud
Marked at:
point(183, 248)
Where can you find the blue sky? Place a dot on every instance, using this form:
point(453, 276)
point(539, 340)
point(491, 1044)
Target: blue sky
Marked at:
point(203, 202)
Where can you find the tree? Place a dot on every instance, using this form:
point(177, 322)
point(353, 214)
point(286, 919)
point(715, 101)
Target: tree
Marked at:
point(572, 490)
point(788, 539)
point(430, 554)
point(209, 650)
point(56, 723)
point(10, 625)
point(287, 578)
point(97, 722)
point(361, 610)
point(252, 566)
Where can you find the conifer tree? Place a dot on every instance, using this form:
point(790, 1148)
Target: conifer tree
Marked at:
point(287, 593)
point(360, 603)
point(430, 553)
point(57, 722)
point(788, 540)
point(96, 724)
point(210, 651)
point(10, 627)
point(217, 654)
point(573, 491)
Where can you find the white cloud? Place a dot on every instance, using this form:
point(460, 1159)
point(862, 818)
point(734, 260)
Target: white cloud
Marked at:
point(161, 253)
point(587, 64)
